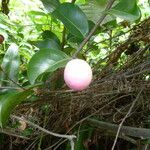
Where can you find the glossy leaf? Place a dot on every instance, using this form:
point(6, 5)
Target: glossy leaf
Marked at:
point(45, 60)
point(10, 63)
point(8, 102)
point(73, 18)
point(50, 5)
point(47, 44)
point(127, 9)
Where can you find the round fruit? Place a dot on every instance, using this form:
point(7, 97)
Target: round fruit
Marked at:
point(77, 74)
point(1, 39)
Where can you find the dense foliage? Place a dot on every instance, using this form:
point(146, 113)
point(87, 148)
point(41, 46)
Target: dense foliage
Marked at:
point(38, 38)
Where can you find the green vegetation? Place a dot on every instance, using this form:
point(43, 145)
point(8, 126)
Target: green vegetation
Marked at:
point(38, 38)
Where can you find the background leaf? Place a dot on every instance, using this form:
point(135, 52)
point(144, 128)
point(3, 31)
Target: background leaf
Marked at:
point(127, 10)
point(10, 63)
point(73, 18)
point(8, 103)
point(93, 10)
point(45, 60)
point(5, 20)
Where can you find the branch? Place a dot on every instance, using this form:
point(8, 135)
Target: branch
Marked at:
point(125, 130)
point(109, 5)
point(69, 137)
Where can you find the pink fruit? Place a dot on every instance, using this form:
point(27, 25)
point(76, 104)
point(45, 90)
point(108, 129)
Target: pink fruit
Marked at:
point(77, 74)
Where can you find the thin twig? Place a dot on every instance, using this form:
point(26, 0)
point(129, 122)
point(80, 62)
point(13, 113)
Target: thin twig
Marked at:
point(95, 27)
point(123, 120)
point(69, 137)
point(84, 119)
point(12, 88)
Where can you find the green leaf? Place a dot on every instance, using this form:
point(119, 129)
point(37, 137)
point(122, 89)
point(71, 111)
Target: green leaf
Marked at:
point(73, 18)
point(8, 103)
point(73, 39)
point(58, 64)
point(45, 60)
point(47, 44)
point(47, 34)
point(50, 5)
point(127, 10)
point(10, 63)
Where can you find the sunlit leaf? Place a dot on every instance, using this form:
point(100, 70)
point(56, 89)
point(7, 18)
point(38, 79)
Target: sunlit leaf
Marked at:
point(36, 13)
point(5, 20)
